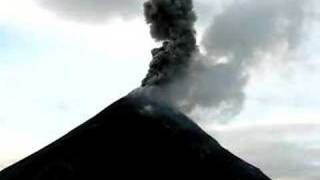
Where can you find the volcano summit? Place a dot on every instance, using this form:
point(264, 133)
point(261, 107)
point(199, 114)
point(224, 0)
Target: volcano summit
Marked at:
point(135, 137)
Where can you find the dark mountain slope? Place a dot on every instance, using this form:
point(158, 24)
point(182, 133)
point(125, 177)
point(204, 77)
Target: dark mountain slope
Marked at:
point(136, 138)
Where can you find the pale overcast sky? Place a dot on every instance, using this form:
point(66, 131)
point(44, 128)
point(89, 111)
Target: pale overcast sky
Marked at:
point(63, 61)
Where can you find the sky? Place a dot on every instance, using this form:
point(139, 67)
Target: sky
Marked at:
point(63, 61)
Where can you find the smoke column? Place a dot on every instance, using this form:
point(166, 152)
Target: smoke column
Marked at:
point(171, 21)
point(178, 73)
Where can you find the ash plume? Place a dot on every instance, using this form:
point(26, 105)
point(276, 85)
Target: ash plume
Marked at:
point(171, 21)
point(238, 39)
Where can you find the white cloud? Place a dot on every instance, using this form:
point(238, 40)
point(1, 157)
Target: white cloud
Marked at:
point(94, 10)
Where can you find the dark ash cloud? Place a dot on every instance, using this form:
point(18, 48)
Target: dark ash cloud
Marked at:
point(171, 21)
point(238, 39)
point(179, 74)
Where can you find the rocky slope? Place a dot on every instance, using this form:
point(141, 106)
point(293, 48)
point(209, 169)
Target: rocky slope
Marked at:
point(135, 137)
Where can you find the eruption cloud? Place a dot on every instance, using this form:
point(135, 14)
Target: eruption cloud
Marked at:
point(240, 39)
point(171, 21)
point(237, 40)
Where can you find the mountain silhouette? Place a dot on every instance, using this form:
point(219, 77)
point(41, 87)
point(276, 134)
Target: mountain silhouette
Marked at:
point(135, 137)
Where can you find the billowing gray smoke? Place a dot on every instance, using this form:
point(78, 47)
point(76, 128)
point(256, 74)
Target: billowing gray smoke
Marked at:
point(238, 39)
point(171, 21)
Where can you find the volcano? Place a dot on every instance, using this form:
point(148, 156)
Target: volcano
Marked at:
point(135, 137)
